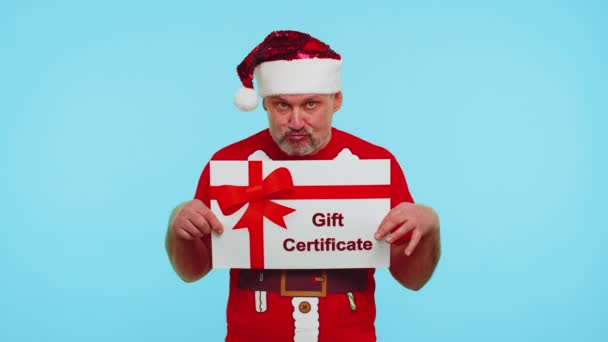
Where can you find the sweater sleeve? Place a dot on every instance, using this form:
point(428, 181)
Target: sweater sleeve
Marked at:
point(203, 189)
point(399, 190)
point(203, 193)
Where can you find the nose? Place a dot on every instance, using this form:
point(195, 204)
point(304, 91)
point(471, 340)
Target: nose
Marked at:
point(296, 123)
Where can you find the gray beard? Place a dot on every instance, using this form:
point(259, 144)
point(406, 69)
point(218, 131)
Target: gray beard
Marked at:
point(301, 150)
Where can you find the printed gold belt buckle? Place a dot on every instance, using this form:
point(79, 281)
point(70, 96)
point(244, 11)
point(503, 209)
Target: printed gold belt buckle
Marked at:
point(305, 293)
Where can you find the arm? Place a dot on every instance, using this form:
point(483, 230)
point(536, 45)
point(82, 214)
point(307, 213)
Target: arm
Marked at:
point(188, 242)
point(412, 266)
point(413, 262)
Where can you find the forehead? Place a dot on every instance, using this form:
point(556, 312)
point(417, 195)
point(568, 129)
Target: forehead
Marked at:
point(294, 98)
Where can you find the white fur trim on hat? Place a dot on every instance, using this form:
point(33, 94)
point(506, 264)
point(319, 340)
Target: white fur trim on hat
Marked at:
point(299, 76)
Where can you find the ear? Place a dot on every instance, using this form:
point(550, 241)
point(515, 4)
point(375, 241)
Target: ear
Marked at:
point(264, 104)
point(337, 101)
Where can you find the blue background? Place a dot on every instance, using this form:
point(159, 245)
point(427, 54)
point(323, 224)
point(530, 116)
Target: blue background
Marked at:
point(496, 111)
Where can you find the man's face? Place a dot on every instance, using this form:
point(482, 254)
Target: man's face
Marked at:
point(301, 124)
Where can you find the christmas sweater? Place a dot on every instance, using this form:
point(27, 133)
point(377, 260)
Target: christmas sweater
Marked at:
point(257, 313)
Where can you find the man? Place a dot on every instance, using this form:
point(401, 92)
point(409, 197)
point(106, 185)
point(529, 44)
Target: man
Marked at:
point(299, 80)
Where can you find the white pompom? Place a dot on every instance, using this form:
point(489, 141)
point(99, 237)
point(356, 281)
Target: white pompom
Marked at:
point(246, 99)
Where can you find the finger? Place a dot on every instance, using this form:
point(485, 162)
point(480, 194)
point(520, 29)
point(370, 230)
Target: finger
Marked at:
point(189, 227)
point(400, 231)
point(213, 221)
point(182, 233)
point(416, 236)
point(197, 206)
point(199, 222)
point(389, 222)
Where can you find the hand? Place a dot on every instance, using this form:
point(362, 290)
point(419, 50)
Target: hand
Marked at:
point(194, 220)
point(406, 218)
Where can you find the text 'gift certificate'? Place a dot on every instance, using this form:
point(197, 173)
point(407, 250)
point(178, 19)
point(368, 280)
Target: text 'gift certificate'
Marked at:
point(300, 214)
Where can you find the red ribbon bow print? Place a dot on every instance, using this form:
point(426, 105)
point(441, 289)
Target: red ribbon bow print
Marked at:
point(231, 198)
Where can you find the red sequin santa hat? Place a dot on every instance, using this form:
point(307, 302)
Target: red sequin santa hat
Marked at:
point(288, 62)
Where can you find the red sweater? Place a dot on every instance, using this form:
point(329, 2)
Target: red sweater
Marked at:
point(337, 321)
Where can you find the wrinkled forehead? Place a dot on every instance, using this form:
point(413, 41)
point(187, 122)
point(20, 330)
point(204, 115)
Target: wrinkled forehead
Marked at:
point(297, 97)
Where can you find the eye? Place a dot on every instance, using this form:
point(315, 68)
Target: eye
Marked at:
point(282, 105)
point(311, 104)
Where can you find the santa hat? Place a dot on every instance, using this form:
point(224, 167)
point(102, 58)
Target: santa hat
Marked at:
point(288, 62)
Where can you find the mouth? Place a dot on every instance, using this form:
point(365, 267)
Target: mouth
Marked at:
point(296, 136)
